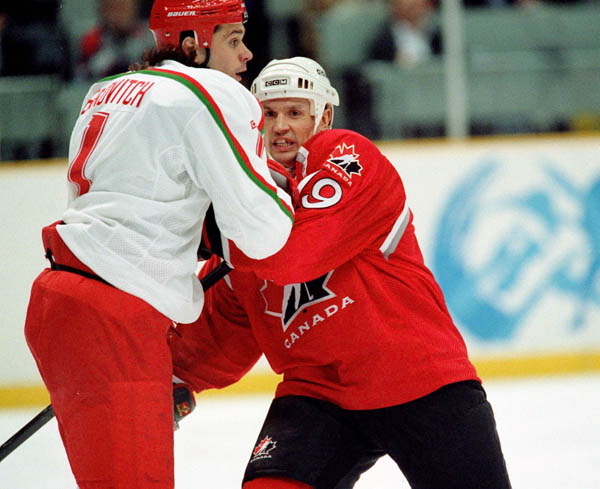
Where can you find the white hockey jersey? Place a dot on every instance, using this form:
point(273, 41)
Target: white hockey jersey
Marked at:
point(149, 152)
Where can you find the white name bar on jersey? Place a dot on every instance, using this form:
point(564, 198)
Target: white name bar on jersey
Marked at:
point(124, 91)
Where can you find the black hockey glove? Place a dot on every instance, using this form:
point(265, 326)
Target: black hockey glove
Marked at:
point(211, 243)
point(183, 403)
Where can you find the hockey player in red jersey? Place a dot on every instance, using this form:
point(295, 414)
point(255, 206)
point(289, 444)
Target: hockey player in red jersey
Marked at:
point(151, 151)
point(348, 312)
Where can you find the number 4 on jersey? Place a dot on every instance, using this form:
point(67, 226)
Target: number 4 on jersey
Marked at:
point(89, 141)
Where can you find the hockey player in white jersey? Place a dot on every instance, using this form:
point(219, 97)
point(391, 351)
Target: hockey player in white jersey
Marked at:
point(151, 150)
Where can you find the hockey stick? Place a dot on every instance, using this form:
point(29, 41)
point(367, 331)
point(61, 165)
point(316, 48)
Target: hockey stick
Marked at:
point(24, 433)
point(15, 441)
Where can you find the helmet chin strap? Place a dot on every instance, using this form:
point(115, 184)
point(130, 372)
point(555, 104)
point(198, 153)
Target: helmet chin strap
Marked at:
point(315, 113)
point(319, 119)
point(204, 64)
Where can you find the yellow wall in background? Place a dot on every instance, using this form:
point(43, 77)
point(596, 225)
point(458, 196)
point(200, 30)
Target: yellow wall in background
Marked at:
point(259, 382)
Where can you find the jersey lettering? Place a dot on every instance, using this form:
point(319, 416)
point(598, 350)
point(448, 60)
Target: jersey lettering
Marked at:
point(89, 141)
point(128, 92)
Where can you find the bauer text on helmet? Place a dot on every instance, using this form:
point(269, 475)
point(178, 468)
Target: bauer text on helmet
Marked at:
point(296, 78)
point(169, 18)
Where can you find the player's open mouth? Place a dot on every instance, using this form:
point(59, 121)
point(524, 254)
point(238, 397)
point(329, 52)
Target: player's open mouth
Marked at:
point(283, 144)
point(239, 74)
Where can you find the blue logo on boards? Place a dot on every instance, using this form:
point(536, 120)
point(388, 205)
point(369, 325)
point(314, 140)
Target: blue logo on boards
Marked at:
point(501, 255)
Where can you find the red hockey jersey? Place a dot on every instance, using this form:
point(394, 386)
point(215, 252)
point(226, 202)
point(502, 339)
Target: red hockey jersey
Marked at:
point(346, 311)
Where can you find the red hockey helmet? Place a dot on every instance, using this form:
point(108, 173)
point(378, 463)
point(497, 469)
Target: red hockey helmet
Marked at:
point(169, 18)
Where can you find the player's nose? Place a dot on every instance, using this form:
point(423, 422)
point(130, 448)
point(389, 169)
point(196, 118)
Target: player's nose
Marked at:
point(246, 54)
point(281, 124)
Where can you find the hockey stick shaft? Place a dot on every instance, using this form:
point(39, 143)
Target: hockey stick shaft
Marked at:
point(48, 413)
point(24, 433)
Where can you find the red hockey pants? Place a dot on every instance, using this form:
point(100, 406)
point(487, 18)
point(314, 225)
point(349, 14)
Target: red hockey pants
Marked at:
point(104, 358)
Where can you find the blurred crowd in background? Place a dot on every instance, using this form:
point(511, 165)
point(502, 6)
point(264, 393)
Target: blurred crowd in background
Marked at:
point(78, 41)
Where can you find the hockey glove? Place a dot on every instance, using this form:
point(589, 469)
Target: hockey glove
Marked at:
point(183, 403)
point(212, 241)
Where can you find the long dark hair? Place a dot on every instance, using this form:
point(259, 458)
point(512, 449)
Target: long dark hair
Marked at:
point(152, 57)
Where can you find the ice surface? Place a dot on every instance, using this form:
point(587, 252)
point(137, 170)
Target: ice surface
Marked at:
point(549, 428)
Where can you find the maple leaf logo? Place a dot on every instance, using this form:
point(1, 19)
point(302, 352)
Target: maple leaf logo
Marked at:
point(344, 157)
point(263, 448)
point(296, 297)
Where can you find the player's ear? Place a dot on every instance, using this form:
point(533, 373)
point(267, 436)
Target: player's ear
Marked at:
point(326, 118)
point(188, 45)
point(192, 50)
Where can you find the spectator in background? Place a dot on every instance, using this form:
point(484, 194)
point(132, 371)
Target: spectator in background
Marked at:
point(3, 22)
point(111, 46)
point(302, 34)
point(498, 3)
point(407, 39)
point(32, 42)
point(521, 3)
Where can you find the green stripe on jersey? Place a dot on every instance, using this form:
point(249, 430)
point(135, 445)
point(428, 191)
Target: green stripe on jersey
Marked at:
point(196, 89)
